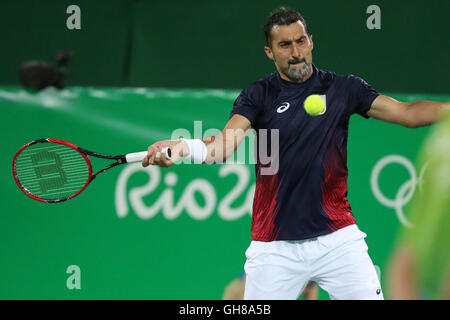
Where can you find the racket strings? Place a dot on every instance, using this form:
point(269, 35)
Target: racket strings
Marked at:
point(51, 170)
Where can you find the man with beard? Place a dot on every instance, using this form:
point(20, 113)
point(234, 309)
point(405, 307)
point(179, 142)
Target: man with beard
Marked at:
point(303, 228)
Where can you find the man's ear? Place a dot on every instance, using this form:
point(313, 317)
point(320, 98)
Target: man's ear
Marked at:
point(269, 53)
point(312, 42)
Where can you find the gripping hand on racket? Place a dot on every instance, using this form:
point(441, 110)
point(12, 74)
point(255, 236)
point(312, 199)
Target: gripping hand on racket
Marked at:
point(156, 155)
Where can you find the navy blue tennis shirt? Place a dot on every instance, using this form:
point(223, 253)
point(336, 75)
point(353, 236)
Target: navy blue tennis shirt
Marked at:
point(307, 196)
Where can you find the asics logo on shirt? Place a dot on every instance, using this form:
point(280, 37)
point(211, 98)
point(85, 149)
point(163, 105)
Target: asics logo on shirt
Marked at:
point(284, 106)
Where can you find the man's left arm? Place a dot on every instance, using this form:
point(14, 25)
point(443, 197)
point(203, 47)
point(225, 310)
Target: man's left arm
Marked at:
point(409, 114)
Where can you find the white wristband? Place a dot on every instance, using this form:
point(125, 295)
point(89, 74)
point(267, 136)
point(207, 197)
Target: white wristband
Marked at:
point(197, 150)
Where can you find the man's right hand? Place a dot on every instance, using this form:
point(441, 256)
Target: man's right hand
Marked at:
point(178, 148)
point(220, 146)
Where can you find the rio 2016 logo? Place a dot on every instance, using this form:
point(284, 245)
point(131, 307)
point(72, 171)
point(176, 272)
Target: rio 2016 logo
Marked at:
point(166, 203)
point(187, 202)
point(406, 190)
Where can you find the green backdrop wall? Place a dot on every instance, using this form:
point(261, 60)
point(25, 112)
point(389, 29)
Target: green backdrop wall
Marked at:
point(217, 44)
point(175, 233)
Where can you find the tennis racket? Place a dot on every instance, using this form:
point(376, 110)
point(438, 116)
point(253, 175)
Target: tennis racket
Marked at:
point(53, 170)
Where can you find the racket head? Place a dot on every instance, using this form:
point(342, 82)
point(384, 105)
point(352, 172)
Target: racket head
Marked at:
point(51, 170)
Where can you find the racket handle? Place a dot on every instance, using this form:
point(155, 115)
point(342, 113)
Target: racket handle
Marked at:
point(138, 156)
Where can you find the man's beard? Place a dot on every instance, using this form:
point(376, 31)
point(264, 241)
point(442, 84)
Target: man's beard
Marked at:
point(298, 76)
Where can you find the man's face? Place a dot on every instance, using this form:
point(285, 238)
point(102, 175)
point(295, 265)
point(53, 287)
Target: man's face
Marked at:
point(291, 50)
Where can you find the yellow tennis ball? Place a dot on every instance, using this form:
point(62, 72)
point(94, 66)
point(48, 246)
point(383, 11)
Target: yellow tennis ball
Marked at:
point(314, 104)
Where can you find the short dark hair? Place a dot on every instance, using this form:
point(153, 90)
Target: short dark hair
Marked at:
point(281, 17)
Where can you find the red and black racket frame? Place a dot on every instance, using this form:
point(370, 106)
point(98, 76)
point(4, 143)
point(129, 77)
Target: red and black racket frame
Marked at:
point(120, 159)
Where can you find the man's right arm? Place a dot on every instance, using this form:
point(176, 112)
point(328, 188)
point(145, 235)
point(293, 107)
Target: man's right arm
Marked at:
point(219, 147)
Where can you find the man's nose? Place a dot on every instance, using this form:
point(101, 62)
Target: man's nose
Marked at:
point(295, 51)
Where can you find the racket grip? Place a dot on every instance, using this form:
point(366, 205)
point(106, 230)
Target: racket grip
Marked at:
point(138, 156)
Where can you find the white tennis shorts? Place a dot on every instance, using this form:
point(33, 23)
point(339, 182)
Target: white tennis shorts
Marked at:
point(338, 262)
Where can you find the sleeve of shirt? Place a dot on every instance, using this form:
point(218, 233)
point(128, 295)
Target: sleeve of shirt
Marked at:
point(361, 96)
point(249, 104)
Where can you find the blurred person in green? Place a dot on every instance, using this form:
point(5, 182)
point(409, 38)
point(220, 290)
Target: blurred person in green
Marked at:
point(420, 265)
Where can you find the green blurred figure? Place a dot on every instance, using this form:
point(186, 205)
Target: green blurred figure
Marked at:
point(420, 265)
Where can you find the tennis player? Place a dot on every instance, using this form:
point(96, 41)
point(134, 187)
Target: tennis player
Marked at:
point(303, 228)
